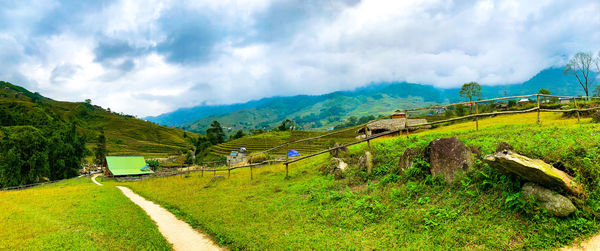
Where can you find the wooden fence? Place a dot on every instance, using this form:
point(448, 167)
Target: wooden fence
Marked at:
point(405, 129)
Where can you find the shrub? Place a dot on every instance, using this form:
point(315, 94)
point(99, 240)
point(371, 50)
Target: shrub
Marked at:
point(153, 164)
point(596, 117)
point(261, 157)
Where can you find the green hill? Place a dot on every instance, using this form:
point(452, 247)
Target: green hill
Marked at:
point(126, 135)
point(325, 111)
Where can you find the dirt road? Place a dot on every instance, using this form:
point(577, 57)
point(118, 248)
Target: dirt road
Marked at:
point(94, 179)
point(181, 235)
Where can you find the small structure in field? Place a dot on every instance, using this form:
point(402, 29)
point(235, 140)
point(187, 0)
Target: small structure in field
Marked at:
point(523, 101)
point(127, 166)
point(386, 125)
point(398, 115)
point(564, 100)
point(236, 157)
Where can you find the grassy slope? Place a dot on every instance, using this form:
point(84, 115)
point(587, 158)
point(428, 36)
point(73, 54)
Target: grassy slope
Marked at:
point(314, 211)
point(125, 135)
point(75, 215)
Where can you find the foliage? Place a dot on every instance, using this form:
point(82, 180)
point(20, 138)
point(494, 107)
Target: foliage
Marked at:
point(215, 134)
point(153, 164)
point(596, 117)
point(460, 110)
point(470, 91)
point(581, 67)
point(100, 151)
point(238, 134)
point(286, 125)
point(544, 91)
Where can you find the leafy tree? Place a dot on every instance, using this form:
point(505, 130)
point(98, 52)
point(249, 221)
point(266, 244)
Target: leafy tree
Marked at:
point(285, 125)
point(88, 101)
point(580, 66)
point(352, 120)
point(448, 113)
point(238, 134)
point(365, 119)
point(544, 91)
point(23, 156)
point(100, 151)
point(460, 110)
point(470, 91)
point(66, 148)
point(597, 91)
point(215, 133)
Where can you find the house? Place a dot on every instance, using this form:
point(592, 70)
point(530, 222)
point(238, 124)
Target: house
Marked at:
point(398, 115)
point(523, 101)
point(564, 100)
point(126, 166)
point(236, 157)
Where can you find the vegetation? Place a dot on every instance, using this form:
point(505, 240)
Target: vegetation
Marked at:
point(75, 215)
point(582, 66)
point(392, 210)
point(124, 134)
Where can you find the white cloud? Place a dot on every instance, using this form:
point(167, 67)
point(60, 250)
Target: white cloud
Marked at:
point(438, 42)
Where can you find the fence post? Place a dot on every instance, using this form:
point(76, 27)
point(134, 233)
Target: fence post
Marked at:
point(577, 109)
point(406, 122)
point(229, 172)
point(250, 172)
point(476, 117)
point(287, 156)
point(202, 171)
point(538, 108)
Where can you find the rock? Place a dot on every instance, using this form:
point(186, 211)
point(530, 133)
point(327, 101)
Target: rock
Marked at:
point(448, 156)
point(533, 170)
point(556, 204)
point(366, 161)
point(504, 146)
point(407, 159)
point(337, 167)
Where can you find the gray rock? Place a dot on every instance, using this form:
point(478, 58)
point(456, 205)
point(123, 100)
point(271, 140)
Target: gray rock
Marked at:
point(533, 170)
point(408, 159)
point(556, 204)
point(448, 157)
point(337, 167)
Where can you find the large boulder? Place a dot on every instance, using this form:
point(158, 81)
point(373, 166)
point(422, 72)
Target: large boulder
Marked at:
point(408, 159)
point(449, 156)
point(337, 167)
point(556, 204)
point(533, 170)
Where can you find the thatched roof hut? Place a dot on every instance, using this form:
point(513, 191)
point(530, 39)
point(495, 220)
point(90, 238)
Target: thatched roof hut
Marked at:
point(386, 125)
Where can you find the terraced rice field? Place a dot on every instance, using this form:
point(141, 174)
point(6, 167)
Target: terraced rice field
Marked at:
point(257, 143)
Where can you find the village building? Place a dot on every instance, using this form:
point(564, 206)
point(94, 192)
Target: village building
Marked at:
point(126, 166)
point(523, 101)
point(564, 100)
point(236, 157)
point(398, 115)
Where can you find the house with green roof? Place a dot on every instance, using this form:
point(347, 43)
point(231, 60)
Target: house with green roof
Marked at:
point(127, 166)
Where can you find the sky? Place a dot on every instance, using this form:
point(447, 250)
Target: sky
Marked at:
point(145, 57)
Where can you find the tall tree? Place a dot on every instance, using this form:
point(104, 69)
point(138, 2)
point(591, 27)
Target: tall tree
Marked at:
point(23, 156)
point(544, 92)
point(470, 91)
point(100, 150)
point(215, 133)
point(580, 66)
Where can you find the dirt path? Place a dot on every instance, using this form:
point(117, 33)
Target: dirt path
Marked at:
point(177, 232)
point(94, 179)
point(590, 244)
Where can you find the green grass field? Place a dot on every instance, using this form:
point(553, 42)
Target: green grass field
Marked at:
point(387, 210)
point(75, 215)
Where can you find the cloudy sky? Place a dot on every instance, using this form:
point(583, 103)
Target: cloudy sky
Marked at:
point(147, 57)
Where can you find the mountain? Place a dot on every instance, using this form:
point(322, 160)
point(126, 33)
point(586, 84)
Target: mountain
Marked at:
point(125, 134)
point(324, 111)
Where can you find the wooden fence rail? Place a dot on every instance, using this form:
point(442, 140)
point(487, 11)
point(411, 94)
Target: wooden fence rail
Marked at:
point(475, 116)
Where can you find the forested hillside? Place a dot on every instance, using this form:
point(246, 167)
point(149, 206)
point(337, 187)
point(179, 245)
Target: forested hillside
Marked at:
point(42, 139)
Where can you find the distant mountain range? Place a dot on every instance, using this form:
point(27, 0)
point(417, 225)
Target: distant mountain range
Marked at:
point(324, 111)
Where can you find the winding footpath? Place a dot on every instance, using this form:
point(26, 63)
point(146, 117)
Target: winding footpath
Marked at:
point(180, 234)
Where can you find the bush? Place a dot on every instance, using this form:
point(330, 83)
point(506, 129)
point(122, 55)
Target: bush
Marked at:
point(596, 117)
point(153, 164)
point(261, 157)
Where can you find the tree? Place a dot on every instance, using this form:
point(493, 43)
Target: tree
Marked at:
point(471, 91)
point(23, 156)
point(88, 101)
point(238, 134)
point(460, 110)
point(215, 133)
point(544, 92)
point(100, 151)
point(580, 66)
point(597, 91)
point(286, 125)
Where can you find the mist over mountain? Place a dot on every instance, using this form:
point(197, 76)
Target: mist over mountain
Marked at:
point(324, 111)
